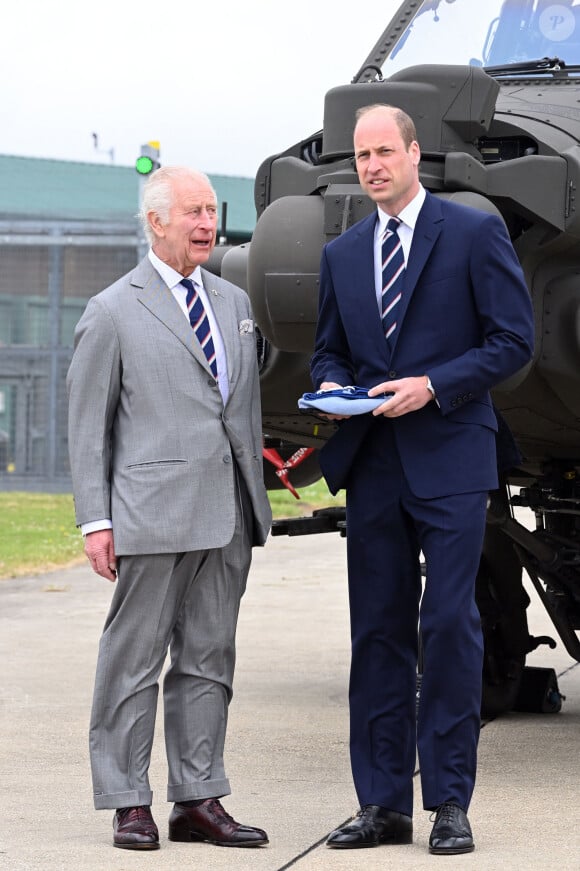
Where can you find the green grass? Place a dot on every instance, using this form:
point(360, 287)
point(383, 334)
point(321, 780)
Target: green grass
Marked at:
point(38, 532)
point(284, 504)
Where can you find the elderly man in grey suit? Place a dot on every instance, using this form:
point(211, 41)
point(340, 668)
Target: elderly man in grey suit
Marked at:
point(166, 457)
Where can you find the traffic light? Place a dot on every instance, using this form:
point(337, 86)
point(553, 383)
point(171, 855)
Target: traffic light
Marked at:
point(148, 160)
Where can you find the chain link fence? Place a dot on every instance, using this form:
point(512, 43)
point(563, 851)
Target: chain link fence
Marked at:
point(48, 271)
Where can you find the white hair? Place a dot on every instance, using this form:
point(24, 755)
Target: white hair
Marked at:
point(158, 194)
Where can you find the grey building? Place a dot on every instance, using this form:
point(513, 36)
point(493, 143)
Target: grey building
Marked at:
point(67, 230)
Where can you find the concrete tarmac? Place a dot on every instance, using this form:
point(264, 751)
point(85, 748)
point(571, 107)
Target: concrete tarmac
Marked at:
point(287, 747)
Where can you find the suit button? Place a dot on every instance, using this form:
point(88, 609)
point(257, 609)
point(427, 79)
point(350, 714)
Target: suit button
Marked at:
point(212, 382)
point(227, 458)
point(392, 374)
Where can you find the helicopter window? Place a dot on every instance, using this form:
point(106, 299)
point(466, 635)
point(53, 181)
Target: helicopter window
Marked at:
point(443, 31)
point(529, 31)
point(558, 26)
point(488, 34)
point(557, 22)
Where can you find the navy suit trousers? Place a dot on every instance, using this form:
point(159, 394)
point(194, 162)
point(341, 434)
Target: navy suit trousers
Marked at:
point(387, 530)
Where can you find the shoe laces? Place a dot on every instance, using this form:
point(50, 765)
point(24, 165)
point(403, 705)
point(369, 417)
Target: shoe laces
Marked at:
point(366, 812)
point(137, 814)
point(217, 810)
point(445, 812)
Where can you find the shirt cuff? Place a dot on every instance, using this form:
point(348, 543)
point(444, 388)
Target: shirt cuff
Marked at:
point(95, 526)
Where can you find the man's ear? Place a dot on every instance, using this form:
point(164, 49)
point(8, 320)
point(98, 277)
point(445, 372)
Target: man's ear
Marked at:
point(156, 224)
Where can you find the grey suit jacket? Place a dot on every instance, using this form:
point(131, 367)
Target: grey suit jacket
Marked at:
point(151, 445)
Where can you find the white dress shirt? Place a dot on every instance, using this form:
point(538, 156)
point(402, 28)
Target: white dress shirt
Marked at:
point(172, 279)
point(408, 216)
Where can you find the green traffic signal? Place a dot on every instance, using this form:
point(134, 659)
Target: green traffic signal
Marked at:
point(144, 165)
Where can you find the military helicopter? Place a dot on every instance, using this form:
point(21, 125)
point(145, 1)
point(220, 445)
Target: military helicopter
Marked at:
point(494, 90)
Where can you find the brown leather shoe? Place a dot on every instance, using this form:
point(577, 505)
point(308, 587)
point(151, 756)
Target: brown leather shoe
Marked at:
point(209, 822)
point(134, 829)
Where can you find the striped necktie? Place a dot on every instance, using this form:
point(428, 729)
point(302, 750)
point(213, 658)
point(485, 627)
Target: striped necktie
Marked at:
point(200, 323)
point(393, 277)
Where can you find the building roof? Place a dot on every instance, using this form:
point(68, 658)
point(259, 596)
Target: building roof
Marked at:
point(33, 188)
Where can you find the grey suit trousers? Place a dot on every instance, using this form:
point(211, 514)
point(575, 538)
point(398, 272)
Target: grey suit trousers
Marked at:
point(186, 603)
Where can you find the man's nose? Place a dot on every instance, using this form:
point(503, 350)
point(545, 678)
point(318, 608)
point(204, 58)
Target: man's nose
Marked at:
point(207, 219)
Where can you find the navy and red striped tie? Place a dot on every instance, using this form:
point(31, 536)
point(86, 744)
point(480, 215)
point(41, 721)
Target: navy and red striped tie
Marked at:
point(200, 323)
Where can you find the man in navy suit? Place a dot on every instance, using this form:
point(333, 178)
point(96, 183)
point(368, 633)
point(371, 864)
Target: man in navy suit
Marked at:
point(417, 472)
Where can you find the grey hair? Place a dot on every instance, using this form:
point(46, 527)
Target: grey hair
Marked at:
point(158, 194)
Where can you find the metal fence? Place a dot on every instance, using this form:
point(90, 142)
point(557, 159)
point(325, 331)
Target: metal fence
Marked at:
point(48, 271)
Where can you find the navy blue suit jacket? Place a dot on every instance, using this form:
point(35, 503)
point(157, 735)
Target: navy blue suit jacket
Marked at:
point(465, 320)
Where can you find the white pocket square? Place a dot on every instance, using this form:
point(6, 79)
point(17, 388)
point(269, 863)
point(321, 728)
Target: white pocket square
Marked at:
point(246, 326)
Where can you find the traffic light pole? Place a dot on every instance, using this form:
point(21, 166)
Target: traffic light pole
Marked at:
point(142, 243)
point(146, 163)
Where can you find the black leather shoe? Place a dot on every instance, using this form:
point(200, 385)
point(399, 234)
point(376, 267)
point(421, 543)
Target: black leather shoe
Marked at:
point(134, 829)
point(373, 825)
point(208, 821)
point(451, 832)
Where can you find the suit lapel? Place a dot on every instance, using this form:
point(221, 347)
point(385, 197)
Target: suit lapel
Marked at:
point(427, 229)
point(225, 316)
point(365, 298)
point(153, 293)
